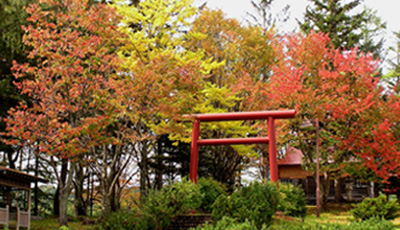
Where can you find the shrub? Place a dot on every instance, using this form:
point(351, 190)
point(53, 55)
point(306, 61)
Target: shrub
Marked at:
point(211, 190)
point(371, 224)
point(126, 220)
point(158, 210)
point(172, 200)
point(293, 200)
point(227, 223)
point(256, 202)
point(379, 207)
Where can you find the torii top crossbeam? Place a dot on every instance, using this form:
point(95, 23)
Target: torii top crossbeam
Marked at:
point(268, 115)
point(259, 115)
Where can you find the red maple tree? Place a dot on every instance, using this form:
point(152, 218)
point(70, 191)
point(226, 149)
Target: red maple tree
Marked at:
point(339, 89)
point(71, 86)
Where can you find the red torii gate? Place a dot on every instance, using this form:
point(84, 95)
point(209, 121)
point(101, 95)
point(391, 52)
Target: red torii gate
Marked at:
point(271, 116)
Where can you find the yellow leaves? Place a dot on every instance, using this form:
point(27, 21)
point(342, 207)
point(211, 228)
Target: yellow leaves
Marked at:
point(196, 35)
point(222, 96)
point(154, 26)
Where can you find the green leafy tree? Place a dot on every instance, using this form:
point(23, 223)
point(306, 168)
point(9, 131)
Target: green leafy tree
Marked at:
point(345, 27)
point(333, 17)
point(393, 76)
point(12, 17)
point(373, 35)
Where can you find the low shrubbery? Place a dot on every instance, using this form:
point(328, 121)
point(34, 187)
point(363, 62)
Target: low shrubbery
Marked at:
point(172, 200)
point(126, 219)
point(249, 208)
point(227, 223)
point(159, 208)
point(211, 190)
point(292, 200)
point(376, 207)
point(371, 224)
point(256, 203)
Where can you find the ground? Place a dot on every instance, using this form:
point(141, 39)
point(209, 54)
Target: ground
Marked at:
point(334, 214)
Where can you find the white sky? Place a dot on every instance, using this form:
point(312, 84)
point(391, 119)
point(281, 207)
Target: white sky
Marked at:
point(388, 10)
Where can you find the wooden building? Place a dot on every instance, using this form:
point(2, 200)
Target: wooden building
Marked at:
point(291, 171)
point(13, 180)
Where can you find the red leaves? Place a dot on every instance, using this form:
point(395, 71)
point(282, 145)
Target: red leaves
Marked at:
point(341, 89)
point(70, 85)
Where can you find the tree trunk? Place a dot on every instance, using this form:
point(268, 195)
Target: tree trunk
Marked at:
point(79, 202)
point(143, 174)
point(338, 190)
point(56, 203)
point(65, 191)
point(114, 199)
point(159, 171)
point(325, 187)
point(36, 191)
point(11, 160)
point(105, 202)
point(264, 167)
point(63, 208)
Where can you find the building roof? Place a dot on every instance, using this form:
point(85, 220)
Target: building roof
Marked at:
point(18, 175)
point(292, 157)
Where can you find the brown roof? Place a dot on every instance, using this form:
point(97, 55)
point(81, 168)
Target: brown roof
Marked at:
point(12, 172)
point(292, 157)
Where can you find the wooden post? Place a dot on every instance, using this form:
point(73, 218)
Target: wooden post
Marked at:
point(194, 155)
point(273, 164)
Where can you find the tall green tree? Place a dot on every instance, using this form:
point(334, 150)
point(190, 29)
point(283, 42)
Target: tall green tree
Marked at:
point(373, 35)
point(335, 18)
point(346, 27)
point(392, 78)
point(12, 17)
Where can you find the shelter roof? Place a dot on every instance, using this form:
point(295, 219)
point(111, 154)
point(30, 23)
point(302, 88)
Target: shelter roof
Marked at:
point(292, 157)
point(18, 175)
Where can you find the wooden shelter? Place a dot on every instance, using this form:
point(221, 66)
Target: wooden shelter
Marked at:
point(291, 171)
point(11, 180)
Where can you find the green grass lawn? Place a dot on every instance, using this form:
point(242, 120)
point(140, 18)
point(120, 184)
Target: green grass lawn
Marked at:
point(334, 214)
point(52, 224)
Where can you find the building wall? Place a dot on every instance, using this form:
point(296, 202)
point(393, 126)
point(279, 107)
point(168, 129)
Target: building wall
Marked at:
point(293, 172)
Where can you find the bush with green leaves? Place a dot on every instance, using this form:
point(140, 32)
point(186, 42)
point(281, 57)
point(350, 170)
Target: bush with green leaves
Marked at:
point(227, 223)
point(126, 220)
point(172, 200)
point(211, 190)
point(292, 200)
point(256, 203)
point(370, 224)
point(376, 207)
point(158, 209)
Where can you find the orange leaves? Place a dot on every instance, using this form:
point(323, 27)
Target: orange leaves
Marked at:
point(312, 73)
point(70, 84)
point(341, 89)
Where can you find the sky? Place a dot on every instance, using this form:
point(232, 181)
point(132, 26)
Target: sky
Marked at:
point(388, 10)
